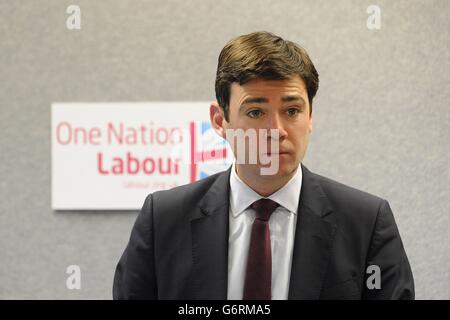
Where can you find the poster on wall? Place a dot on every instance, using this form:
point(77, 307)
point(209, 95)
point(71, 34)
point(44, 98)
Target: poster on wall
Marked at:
point(110, 156)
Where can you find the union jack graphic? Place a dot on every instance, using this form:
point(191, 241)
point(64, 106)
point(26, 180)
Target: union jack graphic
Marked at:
point(208, 151)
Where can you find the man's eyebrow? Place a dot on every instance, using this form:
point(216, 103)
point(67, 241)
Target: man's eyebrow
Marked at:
point(294, 98)
point(254, 100)
point(250, 100)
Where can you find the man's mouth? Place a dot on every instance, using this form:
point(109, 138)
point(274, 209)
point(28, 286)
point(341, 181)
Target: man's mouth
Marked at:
point(275, 153)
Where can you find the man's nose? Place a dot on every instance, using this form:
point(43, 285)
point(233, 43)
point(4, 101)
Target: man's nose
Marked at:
point(274, 122)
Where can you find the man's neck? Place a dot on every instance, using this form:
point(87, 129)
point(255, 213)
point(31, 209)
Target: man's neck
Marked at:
point(263, 185)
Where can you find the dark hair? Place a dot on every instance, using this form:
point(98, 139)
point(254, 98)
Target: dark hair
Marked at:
point(266, 56)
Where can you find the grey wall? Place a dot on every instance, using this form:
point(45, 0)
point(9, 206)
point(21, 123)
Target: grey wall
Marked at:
point(381, 115)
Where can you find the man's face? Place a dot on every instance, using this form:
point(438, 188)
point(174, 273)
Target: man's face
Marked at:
point(272, 104)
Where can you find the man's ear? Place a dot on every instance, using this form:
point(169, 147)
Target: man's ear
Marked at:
point(310, 123)
point(217, 118)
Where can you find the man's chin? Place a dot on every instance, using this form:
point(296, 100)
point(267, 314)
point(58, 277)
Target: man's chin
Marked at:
point(273, 171)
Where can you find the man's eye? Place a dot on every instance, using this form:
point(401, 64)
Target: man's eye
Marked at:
point(254, 113)
point(293, 112)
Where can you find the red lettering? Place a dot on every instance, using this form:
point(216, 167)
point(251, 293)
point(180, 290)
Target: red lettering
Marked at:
point(158, 136)
point(100, 164)
point(118, 136)
point(61, 126)
point(117, 167)
point(133, 165)
point(66, 134)
point(80, 132)
point(95, 134)
point(180, 135)
point(132, 161)
point(151, 162)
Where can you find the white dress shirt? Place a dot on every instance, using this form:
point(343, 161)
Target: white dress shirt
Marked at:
point(282, 225)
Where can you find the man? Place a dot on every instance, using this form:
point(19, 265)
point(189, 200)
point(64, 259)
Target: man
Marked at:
point(241, 234)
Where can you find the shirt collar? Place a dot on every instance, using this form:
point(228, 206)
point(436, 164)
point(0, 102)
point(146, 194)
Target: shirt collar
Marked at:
point(242, 196)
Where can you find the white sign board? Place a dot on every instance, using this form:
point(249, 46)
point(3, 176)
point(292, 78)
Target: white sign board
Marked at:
point(109, 156)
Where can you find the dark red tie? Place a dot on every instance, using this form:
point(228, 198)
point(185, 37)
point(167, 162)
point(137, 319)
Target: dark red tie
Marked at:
point(258, 276)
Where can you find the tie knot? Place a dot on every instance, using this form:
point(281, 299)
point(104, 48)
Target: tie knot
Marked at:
point(264, 208)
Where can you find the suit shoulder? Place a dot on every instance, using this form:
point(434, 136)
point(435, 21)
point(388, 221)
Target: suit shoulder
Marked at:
point(183, 196)
point(349, 199)
point(189, 188)
point(356, 211)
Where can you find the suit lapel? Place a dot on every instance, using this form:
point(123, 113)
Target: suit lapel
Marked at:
point(209, 227)
point(313, 241)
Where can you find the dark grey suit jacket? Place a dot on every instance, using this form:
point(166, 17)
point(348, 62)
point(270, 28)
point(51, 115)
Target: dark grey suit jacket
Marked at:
point(178, 247)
